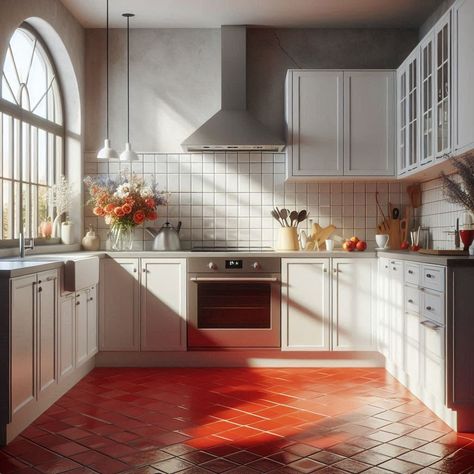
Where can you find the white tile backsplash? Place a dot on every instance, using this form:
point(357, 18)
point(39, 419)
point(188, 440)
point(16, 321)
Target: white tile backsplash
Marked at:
point(226, 198)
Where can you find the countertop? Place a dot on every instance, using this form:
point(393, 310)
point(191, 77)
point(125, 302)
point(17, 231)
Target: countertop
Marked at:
point(449, 261)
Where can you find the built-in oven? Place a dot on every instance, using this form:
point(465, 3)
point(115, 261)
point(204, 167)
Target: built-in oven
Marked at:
point(233, 302)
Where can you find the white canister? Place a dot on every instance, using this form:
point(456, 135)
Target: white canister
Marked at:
point(67, 233)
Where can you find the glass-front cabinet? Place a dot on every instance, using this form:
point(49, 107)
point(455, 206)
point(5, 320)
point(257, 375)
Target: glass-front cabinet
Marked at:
point(427, 99)
point(408, 113)
point(442, 32)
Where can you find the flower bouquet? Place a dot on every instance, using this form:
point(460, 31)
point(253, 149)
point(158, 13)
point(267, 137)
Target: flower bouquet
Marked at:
point(124, 202)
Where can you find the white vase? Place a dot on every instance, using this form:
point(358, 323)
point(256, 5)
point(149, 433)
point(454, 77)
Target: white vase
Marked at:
point(67, 233)
point(56, 231)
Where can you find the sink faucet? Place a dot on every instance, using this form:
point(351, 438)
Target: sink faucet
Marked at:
point(25, 244)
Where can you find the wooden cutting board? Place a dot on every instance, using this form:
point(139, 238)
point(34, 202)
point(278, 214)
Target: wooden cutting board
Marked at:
point(395, 234)
point(443, 252)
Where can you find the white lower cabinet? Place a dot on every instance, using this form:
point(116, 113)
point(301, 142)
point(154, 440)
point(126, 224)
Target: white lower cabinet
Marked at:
point(397, 314)
point(320, 312)
point(120, 305)
point(67, 331)
point(353, 305)
point(163, 304)
point(383, 308)
point(412, 344)
point(305, 304)
point(33, 341)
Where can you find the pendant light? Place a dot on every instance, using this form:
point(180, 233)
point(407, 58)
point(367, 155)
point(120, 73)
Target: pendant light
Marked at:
point(128, 154)
point(107, 152)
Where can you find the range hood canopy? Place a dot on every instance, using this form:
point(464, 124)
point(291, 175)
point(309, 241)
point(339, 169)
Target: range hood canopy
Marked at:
point(233, 127)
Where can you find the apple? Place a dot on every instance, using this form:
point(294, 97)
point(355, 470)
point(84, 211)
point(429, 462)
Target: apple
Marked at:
point(354, 239)
point(405, 245)
point(349, 246)
point(361, 245)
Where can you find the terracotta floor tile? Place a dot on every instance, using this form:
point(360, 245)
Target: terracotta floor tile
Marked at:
point(239, 421)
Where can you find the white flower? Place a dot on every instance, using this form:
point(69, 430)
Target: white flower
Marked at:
point(123, 190)
point(146, 191)
point(108, 219)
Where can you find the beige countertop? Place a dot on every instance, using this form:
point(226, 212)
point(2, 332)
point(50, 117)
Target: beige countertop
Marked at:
point(424, 258)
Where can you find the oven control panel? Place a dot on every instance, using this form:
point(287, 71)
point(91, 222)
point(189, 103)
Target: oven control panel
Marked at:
point(234, 265)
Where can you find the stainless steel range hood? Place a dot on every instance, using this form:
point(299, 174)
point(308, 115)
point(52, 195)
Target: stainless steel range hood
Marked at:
point(233, 127)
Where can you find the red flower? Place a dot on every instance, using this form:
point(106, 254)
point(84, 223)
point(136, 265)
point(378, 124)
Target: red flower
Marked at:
point(118, 211)
point(126, 208)
point(152, 216)
point(138, 217)
point(150, 202)
point(98, 211)
point(109, 208)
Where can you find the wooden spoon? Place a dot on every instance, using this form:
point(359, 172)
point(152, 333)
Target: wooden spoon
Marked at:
point(284, 215)
point(302, 215)
point(276, 216)
point(293, 218)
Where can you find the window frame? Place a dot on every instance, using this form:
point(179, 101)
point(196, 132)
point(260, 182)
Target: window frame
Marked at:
point(14, 112)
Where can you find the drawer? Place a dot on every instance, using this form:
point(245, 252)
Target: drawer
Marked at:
point(432, 276)
point(433, 340)
point(412, 273)
point(396, 269)
point(412, 300)
point(432, 306)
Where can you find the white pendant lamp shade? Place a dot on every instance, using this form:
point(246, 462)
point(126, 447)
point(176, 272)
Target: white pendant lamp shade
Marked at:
point(107, 152)
point(128, 154)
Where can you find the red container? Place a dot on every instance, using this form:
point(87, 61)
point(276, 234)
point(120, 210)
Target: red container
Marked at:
point(467, 236)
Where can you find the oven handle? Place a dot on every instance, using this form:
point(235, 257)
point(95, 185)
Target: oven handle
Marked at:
point(235, 279)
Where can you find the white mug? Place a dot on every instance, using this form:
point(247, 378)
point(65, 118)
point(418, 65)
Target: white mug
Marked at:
point(382, 240)
point(329, 245)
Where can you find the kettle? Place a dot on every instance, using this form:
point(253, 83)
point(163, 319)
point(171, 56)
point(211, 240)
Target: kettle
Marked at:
point(167, 238)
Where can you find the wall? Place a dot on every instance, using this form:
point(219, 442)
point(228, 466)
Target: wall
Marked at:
point(65, 39)
point(175, 76)
point(435, 16)
point(226, 198)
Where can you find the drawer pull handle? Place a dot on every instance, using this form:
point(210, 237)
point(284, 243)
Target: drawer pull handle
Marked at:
point(429, 308)
point(428, 275)
point(50, 278)
point(431, 325)
point(394, 268)
point(410, 272)
point(410, 301)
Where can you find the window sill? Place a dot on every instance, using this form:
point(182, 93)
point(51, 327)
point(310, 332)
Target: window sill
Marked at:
point(40, 248)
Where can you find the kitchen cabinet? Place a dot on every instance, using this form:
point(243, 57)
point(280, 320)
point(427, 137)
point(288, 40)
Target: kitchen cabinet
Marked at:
point(369, 123)
point(120, 305)
point(315, 111)
point(353, 305)
point(310, 322)
point(340, 123)
point(397, 314)
point(86, 324)
point(427, 98)
point(305, 304)
point(92, 323)
point(33, 337)
point(463, 46)
point(67, 343)
point(383, 308)
point(163, 304)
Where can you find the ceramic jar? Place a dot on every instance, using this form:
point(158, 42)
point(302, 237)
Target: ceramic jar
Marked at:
point(91, 240)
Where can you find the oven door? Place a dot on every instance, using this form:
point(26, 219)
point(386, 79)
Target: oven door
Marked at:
point(232, 312)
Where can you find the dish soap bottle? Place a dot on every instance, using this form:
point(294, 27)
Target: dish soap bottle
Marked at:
point(91, 240)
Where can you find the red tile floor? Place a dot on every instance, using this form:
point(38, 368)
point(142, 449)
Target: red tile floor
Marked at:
point(238, 421)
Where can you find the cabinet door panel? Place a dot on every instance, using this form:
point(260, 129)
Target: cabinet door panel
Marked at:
point(397, 314)
point(120, 303)
point(66, 336)
point(383, 311)
point(23, 350)
point(353, 304)
point(412, 347)
point(81, 327)
point(305, 304)
point(92, 321)
point(317, 126)
point(163, 305)
point(463, 74)
point(369, 123)
point(433, 362)
point(47, 322)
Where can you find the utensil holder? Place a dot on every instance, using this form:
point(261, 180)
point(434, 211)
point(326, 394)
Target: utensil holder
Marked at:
point(288, 239)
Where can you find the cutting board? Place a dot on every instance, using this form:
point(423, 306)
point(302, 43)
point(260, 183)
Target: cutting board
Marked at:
point(394, 233)
point(443, 252)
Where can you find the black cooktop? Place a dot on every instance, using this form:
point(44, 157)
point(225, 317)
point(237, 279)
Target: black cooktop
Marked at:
point(231, 249)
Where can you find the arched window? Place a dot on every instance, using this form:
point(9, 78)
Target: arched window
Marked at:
point(31, 135)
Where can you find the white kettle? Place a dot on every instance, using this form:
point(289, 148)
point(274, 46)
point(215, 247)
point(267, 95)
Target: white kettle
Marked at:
point(167, 238)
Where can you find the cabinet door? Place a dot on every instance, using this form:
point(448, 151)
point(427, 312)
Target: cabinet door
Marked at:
point(81, 327)
point(412, 348)
point(305, 304)
point(23, 343)
point(427, 98)
point(353, 304)
point(369, 123)
point(66, 337)
point(384, 308)
point(463, 73)
point(119, 318)
point(442, 32)
point(402, 126)
point(46, 327)
point(92, 348)
point(316, 123)
point(163, 304)
point(397, 314)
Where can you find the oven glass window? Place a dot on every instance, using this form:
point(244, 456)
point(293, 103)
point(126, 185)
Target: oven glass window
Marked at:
point(234, 305)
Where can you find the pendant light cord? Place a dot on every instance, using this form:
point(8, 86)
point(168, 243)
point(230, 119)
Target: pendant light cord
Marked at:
point(107, 71)
point(128, 79)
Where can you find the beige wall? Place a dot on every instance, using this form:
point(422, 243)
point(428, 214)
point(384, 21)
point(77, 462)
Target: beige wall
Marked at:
point(65, 39)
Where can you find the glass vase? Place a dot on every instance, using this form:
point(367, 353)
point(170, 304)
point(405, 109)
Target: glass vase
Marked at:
point(121, 237)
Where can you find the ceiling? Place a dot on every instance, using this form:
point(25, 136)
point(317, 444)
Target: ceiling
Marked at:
point(272, 13)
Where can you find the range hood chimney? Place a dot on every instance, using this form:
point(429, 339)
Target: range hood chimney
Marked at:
point(233, 127)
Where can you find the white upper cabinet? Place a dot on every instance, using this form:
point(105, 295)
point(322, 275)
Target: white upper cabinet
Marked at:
point(315, 108)
point(340, 123)
point(369, 123)
point(463, 47)
point(408, 113)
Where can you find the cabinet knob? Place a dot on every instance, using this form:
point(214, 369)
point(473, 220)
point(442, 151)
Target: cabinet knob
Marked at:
point(39, 282)
point(410, 272)
point(428, 275)
point(134, 270)
point(429, 308)
point(410, 301)
point(40, 289)
point(78, 303)
point(325, 270)
point(91, 299)
point(144, 270)
point(394, 268)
